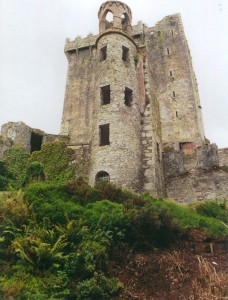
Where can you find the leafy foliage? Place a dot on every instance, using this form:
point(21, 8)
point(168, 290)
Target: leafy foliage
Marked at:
point(35, 172)
point(213, 209)
point(16, 160)
point(55, 158)
point(61, 241)
point(4, 176)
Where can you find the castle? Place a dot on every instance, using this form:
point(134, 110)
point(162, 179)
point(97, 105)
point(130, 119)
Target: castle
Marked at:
point(133, 112)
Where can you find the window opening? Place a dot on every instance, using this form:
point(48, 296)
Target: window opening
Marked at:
point(108, 20)
point(128, 96)
point(36, 141)
point(168, 52)
point(158, 151)
point(124, 21)
point(186, 146)
point(104, 134)
point(176, 114)
point(109, 16)
point(103, 53)
point(174, 94)
point(102, 176)
point(170, 73)
point(105, 94)
point(125, 54)
point(172, 32)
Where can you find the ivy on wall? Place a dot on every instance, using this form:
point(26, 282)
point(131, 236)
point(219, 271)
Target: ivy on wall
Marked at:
point(16, 160)
point(55, 158)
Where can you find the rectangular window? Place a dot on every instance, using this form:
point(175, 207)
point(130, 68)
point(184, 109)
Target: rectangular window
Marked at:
point(104, 134)
point(103, 53)
point(128, 96)
point(105, 94)
point(168, 52)
point(125, 54)
point(174, 94)
point(171, 73)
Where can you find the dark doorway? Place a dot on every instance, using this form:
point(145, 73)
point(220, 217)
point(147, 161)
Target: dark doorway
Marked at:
point(36, 141)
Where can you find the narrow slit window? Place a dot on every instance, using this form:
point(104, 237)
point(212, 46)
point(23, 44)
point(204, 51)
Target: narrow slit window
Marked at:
point(104, 134)
point(105, 94)
point(128, 96)
point(158, 152)
point(172, 32)
point(168, 52)
point(171, 73)
point(176, 114)
point(125, 54)
point(174, 94)
point(103, 53)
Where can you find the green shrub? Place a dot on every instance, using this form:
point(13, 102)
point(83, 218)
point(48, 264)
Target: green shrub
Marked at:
point(35, 172)
point(213, 209)
point(185, 218)
point(5, 176)
point(79, 191)
point(52, 201)
point(56, 160)
point(107, 216)
point(98, 287)
point(107, 190)
point(16, 161)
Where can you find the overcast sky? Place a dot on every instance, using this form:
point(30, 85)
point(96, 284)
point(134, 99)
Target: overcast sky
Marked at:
point(33, 66)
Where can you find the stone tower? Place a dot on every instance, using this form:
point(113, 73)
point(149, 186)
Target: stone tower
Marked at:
point(116, 118)
point(175, 84)
point(131, 92)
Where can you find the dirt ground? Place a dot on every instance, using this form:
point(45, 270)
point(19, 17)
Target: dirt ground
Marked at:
point(179, 274)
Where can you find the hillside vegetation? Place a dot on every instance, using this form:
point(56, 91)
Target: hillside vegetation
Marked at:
point(62, 239)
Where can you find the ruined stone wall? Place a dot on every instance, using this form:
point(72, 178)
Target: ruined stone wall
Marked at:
point(174, 80)
point(80, 89)
point(196, 175)
point(20, 134)
point(223, 157)
point(198, 185)
point(121, 158)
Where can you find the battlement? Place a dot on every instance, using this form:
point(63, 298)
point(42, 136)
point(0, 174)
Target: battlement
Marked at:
point(80, 43)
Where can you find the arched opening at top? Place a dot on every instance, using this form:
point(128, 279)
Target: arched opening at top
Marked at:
point(109, 16)
point(108, 19)
point(124, 21)
point(102, 176)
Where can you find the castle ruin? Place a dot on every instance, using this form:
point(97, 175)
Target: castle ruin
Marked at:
point(132, 110)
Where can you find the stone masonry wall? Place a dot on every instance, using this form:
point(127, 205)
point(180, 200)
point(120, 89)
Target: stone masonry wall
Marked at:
point(121, 158)
point(151, 139)
point(174, 81)
point(223, 157)
point(80, 89)
point(195, 176)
